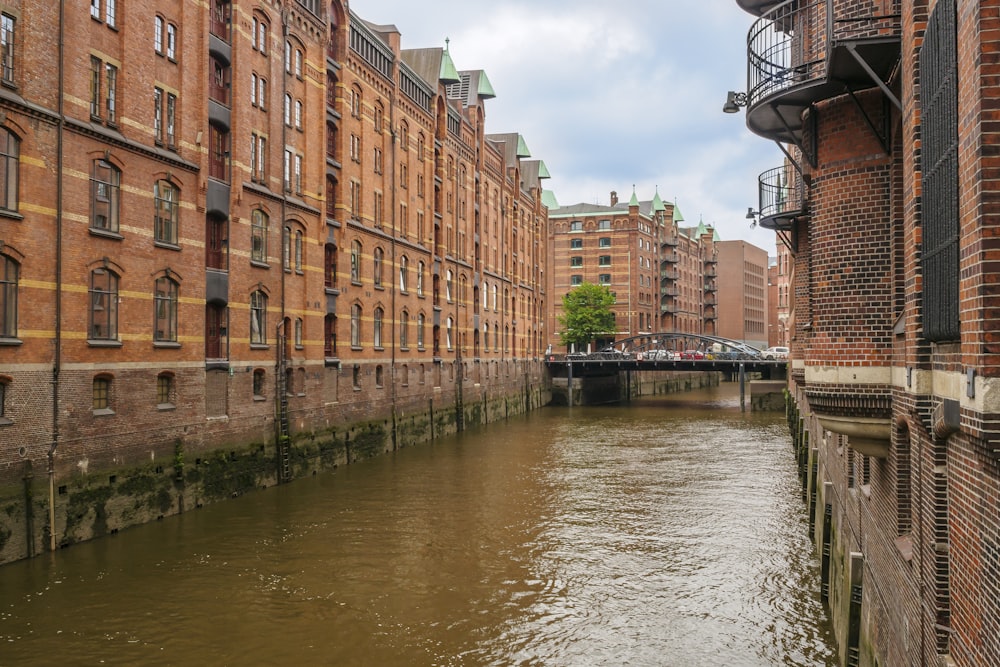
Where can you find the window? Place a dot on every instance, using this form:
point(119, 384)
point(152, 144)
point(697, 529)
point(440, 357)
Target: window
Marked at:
point(576, 279)
point(258, 382)
point(447, 333)
point(377, 120)
point(330, 336)
point(95, 9)
point(297, 173)
point(420, 278)
point(404, 326)
point(420, 331)
point(7, 43)
point(377, 267)
point(218, 153)
point(288, 110)
point(165, 310)
point(604, 260)
point(330, 266)
point(258, 318)
point(356, 262)
point(404, 136)
point(356, 200)
point(258, 236)
point(576, 244)
point(576, 226)
point(9, 271)
point(298, 63)
point(165, 390)
point(298, 114)
point(101, 393)
point(356, 102)
point(10, 152)
point(258, 158)
point(286, 248)
point(604, 224)
point(103, 305)
point(109, 13)
point(171, 40)
point(287, 172)
point(403, 265)
point(166, 203)
point(298, 252)
point(259, 36)
point(576, 261)
point(356, 326)
point(298, 333)
point(604, 279)
point(355, 148)
point(378, 160)
point(447, 286)
point(377, 329)
point(604, 242)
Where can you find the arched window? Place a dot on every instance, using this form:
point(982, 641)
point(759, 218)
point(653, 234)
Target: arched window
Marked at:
point(258, 318)
point(298, 333)
point(420, 331)
point(377, 268)
point(447, 286)
point(10, 153)
point(298, 252)
point(330, 265)
point(9, 274)
point(447, 333)
point(103, 305)
point(165, 295)
point(404, 326)
point(101, 395)
point(258, 236)
point(105, 181)
point(166, 200)
point(165, 390)
point(377, 328)
point(379, 377)
point(356, 325)
point(356, 262)
point(403, 265)
point(259, 378)
point(420, 278)
point(356, 101)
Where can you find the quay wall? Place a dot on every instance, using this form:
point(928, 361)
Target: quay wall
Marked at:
point(103, 483)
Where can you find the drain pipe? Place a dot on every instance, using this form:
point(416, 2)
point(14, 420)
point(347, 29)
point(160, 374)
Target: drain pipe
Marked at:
point(57, 358)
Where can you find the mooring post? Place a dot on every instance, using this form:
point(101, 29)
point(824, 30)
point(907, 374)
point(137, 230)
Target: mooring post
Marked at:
point(743, 388)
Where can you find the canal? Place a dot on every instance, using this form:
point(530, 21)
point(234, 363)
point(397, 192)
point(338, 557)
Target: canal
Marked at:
point(667, 532)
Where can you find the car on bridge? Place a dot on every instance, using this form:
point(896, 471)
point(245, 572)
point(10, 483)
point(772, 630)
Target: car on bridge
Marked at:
point(776, 352)
point(692, 354)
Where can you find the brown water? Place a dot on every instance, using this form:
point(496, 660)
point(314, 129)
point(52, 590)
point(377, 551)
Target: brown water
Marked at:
point(667, 532)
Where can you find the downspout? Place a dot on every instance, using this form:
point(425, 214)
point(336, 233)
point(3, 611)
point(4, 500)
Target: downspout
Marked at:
point(281, 352)
point(394, 275)
point(57, 352)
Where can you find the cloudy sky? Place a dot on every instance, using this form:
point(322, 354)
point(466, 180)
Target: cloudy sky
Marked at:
point(612, 94)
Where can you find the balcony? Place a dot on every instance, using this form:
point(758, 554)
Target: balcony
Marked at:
point(669, 256)
point(802, 52)
point(710, 286)
point(782, 197)
point(669, 290)
point(669, 241)
point(669, 274)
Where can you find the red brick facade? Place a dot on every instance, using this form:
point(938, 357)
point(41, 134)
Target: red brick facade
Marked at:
point(237, 236)
point(889, 216)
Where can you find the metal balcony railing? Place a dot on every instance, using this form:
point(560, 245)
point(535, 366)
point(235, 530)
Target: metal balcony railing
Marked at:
point(782, 197)
point(803, 51)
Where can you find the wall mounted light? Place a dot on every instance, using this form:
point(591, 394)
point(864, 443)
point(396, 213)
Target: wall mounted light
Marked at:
point(734, 101)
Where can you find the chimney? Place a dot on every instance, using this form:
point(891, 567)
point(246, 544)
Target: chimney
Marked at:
point(614, 198)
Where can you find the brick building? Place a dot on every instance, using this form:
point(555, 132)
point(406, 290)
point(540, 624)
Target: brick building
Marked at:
point(208, 288)
point(887, 202)
point(742, 292)
point(656, 269)
point(778, 297)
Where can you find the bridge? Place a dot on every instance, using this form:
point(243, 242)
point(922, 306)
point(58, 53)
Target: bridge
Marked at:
point(669, 352)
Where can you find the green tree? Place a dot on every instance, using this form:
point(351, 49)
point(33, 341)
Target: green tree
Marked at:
point(586, 314)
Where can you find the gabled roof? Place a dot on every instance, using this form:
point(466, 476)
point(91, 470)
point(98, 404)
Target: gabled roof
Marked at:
point(512, 145)
point(549, 200)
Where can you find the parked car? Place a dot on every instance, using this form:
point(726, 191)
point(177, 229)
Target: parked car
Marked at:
point(692, 354)
point(776, 352)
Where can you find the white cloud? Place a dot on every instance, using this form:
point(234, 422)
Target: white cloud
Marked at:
point(613, 94)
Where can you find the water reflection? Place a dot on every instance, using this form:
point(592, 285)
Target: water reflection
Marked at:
point(669, 532)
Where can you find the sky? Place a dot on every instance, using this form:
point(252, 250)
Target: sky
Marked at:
point(612, 95)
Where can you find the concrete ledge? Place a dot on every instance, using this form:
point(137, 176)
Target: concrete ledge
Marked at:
point(767, 396)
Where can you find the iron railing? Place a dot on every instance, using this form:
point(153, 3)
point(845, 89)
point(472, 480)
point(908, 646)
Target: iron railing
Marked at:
point(781, 192)
point(791, 44)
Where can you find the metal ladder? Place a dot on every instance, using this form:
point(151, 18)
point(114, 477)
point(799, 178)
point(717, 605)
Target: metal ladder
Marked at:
point(284, 440)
